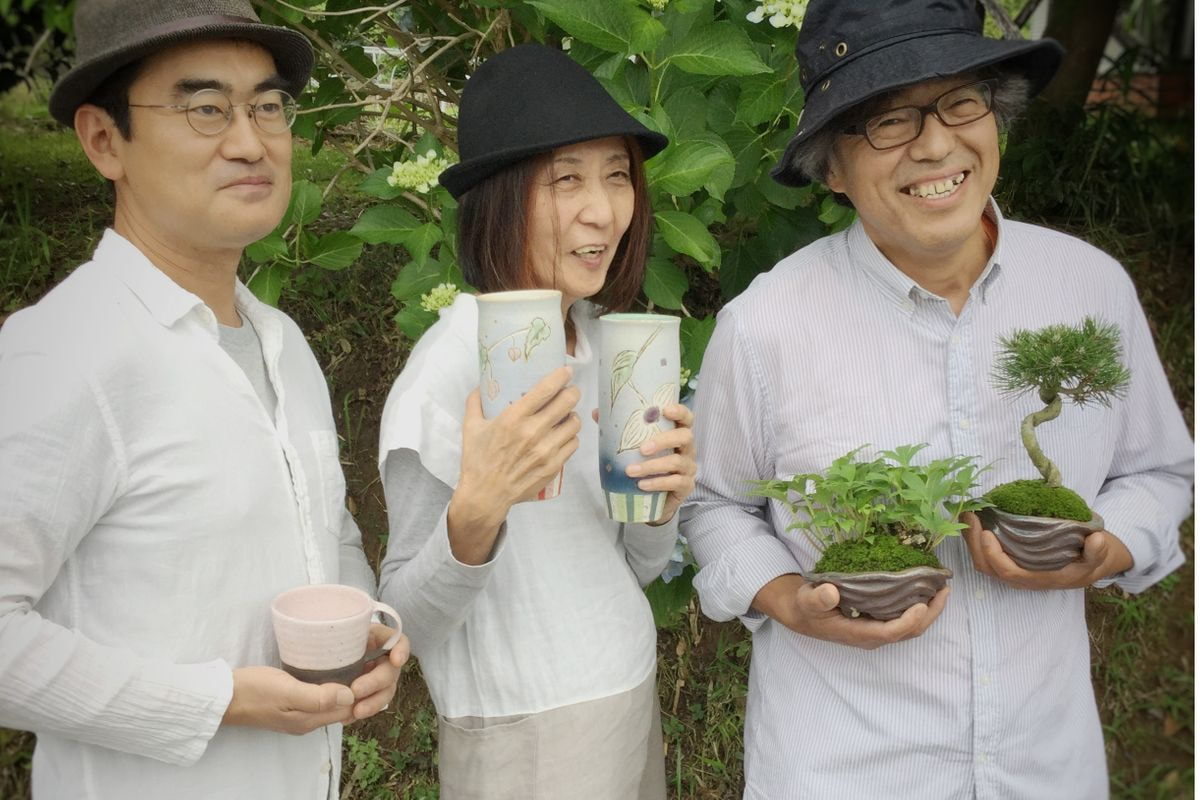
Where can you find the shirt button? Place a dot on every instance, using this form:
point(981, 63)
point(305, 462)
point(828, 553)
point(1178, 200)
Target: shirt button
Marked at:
point(964, 424)
point(984, 680)
point(326, 767)
point(955, 339)
point(979, 594)
point(983, 758)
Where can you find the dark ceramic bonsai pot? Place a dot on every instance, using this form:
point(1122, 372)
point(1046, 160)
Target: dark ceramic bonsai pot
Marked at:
point(883, 595)
point(1039, 544)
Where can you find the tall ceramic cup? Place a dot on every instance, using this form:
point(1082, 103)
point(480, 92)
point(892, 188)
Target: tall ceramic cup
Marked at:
point(639, 374)
point(521, 341)
point(322, 631)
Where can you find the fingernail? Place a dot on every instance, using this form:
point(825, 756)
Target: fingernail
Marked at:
point(633, 470)
point(345, 697)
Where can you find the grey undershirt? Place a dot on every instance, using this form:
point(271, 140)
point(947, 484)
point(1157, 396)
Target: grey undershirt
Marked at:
point(244, 347)
point(415, 498)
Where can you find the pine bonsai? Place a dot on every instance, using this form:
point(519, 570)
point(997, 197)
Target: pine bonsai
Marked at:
point(1080, 363)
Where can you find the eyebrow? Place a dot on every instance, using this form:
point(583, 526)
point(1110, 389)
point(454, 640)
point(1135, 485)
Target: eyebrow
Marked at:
point(575, 160)
point(187, 86)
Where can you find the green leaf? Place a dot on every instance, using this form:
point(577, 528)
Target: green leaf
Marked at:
point(742, 263)
point(622, 370)
point(721, 106)
point(616, 26)
point(336, 250)
point(305, 205)
point(629, 85)
point(686, 234)
point(421, 240)
point(686, 108)
point(721, 48)
point(689, 165)
point(267, 282)
point(269, 248)
point(664, 283)
point(385, 224)
point(761, 99)
point(412, 320)
point(694, 334)
point(668, 600)
point(539, 332)
point(376, 185)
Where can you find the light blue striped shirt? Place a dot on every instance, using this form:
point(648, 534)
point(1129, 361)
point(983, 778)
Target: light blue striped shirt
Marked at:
point(835, 348)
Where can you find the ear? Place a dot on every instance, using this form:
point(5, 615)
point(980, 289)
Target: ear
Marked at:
point(98, 135)
point(833, 177)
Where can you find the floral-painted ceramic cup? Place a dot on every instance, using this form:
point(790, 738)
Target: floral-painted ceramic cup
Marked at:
point(639, 374)
point(521, 341)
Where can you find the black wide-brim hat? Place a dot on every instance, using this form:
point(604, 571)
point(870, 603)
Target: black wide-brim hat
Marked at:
point(528, 100)
point(112, 33)
point(852, 50)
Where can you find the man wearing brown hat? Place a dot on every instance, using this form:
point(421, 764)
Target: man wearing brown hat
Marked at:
point(886, 334)
point(168, 460)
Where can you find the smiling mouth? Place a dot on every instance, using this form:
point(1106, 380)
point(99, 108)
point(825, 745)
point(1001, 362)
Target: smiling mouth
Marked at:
point(936, 190)
point(591, 251)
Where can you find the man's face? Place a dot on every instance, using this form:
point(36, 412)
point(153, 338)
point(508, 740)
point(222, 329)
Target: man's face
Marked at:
point(192, 193)
point(896, 192)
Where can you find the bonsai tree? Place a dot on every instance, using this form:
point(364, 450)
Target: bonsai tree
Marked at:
point(876, 524)
point(1080, 363)
point(886, 514)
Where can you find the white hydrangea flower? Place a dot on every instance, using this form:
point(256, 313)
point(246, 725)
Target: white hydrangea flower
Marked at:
point(657, 5)
point(439, 297)
point(418, 175)
point(782, 12)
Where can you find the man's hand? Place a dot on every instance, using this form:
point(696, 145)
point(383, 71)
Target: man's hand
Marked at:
point(811, 610)
point(269, 698)
point(1103, 555)
point(374, 689)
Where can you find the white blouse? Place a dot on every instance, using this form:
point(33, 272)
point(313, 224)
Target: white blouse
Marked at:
point(557, 616)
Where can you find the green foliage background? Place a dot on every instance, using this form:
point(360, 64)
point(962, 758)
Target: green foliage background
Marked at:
point(355, 255)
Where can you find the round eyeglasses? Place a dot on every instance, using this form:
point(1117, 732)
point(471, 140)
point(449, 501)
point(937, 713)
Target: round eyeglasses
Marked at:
point(961, 105)
point(209, 111)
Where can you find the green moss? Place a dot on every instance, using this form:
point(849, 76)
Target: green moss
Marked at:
point(1036, 499)
point(884, 554)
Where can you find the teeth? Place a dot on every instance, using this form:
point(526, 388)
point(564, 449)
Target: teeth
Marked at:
point(589, 251)
point(937, 189)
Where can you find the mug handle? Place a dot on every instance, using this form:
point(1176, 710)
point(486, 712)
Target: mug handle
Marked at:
point(385, 609)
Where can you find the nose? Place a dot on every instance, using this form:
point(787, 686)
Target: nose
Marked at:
point(242, 138)
point(935, 142)
point(597, 207)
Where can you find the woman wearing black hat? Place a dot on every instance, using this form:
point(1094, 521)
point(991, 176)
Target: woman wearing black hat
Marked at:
point(534, 635)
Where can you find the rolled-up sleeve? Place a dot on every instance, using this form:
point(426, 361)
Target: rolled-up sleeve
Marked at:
point(730, 532)
point(1148, 493)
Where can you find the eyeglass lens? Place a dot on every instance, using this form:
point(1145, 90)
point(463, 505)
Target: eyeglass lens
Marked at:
point(209, 111)
point(958, 106)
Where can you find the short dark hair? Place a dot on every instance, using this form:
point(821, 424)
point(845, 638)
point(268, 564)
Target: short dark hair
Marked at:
point(814, 157)
point(113, 96)
point(493, 228)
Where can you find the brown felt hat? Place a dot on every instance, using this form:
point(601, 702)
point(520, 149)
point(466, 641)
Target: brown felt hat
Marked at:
point(112, 33)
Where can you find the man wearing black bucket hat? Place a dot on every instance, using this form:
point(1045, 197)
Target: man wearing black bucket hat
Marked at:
point(168, 461)
point(886, 334)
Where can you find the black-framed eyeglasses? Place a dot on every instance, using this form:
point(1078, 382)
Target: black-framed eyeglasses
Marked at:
point(961, 105)
point(209, 111)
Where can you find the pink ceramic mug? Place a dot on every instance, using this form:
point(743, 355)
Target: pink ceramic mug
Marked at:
point(322, 631)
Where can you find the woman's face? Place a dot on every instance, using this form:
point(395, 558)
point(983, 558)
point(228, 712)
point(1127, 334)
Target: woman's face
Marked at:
point(582, 205)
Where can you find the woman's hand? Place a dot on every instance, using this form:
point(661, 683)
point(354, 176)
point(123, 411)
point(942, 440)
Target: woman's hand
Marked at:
point(674, 472)
point(509, 459)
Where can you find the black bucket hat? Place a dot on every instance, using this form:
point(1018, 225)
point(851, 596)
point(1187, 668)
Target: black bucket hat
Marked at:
point(531, 99)
point(112, 33)
point(852, 50)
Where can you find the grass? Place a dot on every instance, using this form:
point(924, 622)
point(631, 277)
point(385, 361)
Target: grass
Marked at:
point(53, 207)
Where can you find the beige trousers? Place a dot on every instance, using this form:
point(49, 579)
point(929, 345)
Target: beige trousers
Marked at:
point(606, 749)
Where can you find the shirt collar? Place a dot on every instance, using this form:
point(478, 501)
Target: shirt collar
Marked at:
point(903, 290)
point(167, 301)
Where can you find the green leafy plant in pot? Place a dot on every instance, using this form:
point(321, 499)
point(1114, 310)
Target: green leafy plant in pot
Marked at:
point(876, 524)
point(1040, 523)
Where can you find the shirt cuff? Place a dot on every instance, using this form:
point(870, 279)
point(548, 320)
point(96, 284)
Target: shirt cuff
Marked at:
point(1149, 565)
point(183, 708)
point(728, 586)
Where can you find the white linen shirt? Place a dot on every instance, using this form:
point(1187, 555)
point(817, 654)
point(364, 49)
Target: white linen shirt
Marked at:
point(150, 508)
point(557, 615)
point(836, 348)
